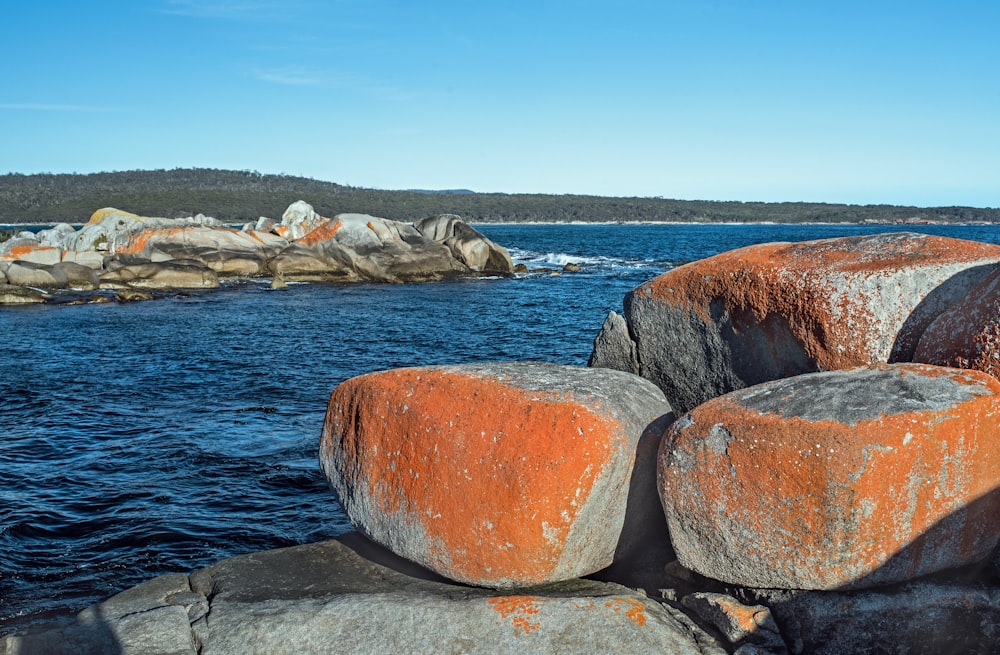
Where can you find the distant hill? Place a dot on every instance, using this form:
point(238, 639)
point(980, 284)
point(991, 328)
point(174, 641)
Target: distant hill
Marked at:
point(241, 196)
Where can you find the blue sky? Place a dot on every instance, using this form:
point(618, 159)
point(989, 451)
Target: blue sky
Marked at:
point(773, 100)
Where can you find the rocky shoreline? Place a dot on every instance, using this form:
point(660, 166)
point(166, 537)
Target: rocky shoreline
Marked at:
point(787, 448)
point(136, 256)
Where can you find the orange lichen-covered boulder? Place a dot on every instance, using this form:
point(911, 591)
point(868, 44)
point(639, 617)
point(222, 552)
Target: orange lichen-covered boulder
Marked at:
point(775, 310)
point(842, 479)
point(501, 475)
point(968, 334)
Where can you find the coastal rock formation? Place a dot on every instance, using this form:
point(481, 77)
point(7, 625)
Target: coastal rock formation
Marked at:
point(968, 334)
point(334, 597)
point(226, 251)
point(171, 274)
point(775, 310)
point(501, 475)
point(17, 295)
point(466, 244)
point(836, 480)
point(304, 246)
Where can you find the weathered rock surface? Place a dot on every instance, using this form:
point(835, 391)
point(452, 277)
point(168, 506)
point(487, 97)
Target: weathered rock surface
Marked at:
point(173, 274)
point(328, 598)
point(466, 244)
point(17, 295)
point(304, 246)
point(920, 618)
point(740, 624)
point(224, 250)
point(31, 274)
point(844, 479)
point(967, 335)
point(775, 310)
point(502, 475)
point(613, 347)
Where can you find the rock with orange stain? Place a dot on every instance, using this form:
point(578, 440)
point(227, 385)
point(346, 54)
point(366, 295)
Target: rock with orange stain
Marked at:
point(967, 335)
point(749, 624)
point(29, 249)
point(775, 310)
point(500, 475)
point(226, 251)
point(842, 479)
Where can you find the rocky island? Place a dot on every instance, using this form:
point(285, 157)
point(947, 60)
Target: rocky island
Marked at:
point(122, 251)
point(786, 448)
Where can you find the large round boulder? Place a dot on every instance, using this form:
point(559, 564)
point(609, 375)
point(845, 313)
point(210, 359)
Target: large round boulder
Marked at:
point(968, 334)
point(843, 479)
point(775, 310)
point(500, 475)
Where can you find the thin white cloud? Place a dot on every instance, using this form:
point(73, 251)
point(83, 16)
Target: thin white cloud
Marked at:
point(293, 76)
point(42, 106)
point(289, 77)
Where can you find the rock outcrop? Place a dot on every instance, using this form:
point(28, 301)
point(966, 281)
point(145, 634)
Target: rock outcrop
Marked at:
point(838, 480)
point(329, 597)
point(304, 246)
point(466, 244)
point(775, 310)
point(501, 475)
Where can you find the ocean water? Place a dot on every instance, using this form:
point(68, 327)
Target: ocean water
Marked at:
point(162, 436)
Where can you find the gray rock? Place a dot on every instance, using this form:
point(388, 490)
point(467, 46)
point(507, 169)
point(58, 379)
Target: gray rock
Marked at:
point(924, 618)
point(76, 276)
point(327, 598)
point(141, 620)
point(16, 295)
point(613, 347)
point(467, 245)
point(30, 274)
point(350, 596)
point(175, 274)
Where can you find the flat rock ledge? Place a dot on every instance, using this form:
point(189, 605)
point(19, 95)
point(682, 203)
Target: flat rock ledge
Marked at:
point(328, 598)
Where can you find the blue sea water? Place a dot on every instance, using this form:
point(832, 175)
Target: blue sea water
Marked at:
point(162, 436)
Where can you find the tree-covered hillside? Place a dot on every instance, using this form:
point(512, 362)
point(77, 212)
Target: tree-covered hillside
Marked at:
point(240, 196)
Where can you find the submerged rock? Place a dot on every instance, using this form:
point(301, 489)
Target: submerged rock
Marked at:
point(838, 480)
point(501, 475)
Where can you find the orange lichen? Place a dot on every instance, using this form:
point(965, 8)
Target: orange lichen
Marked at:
point(521, 610)
point(799, 283)
point(139, 242)
point(323, 232)
point(634, 610)
point(18, 252)
point(494, 474)
point(839, 498)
